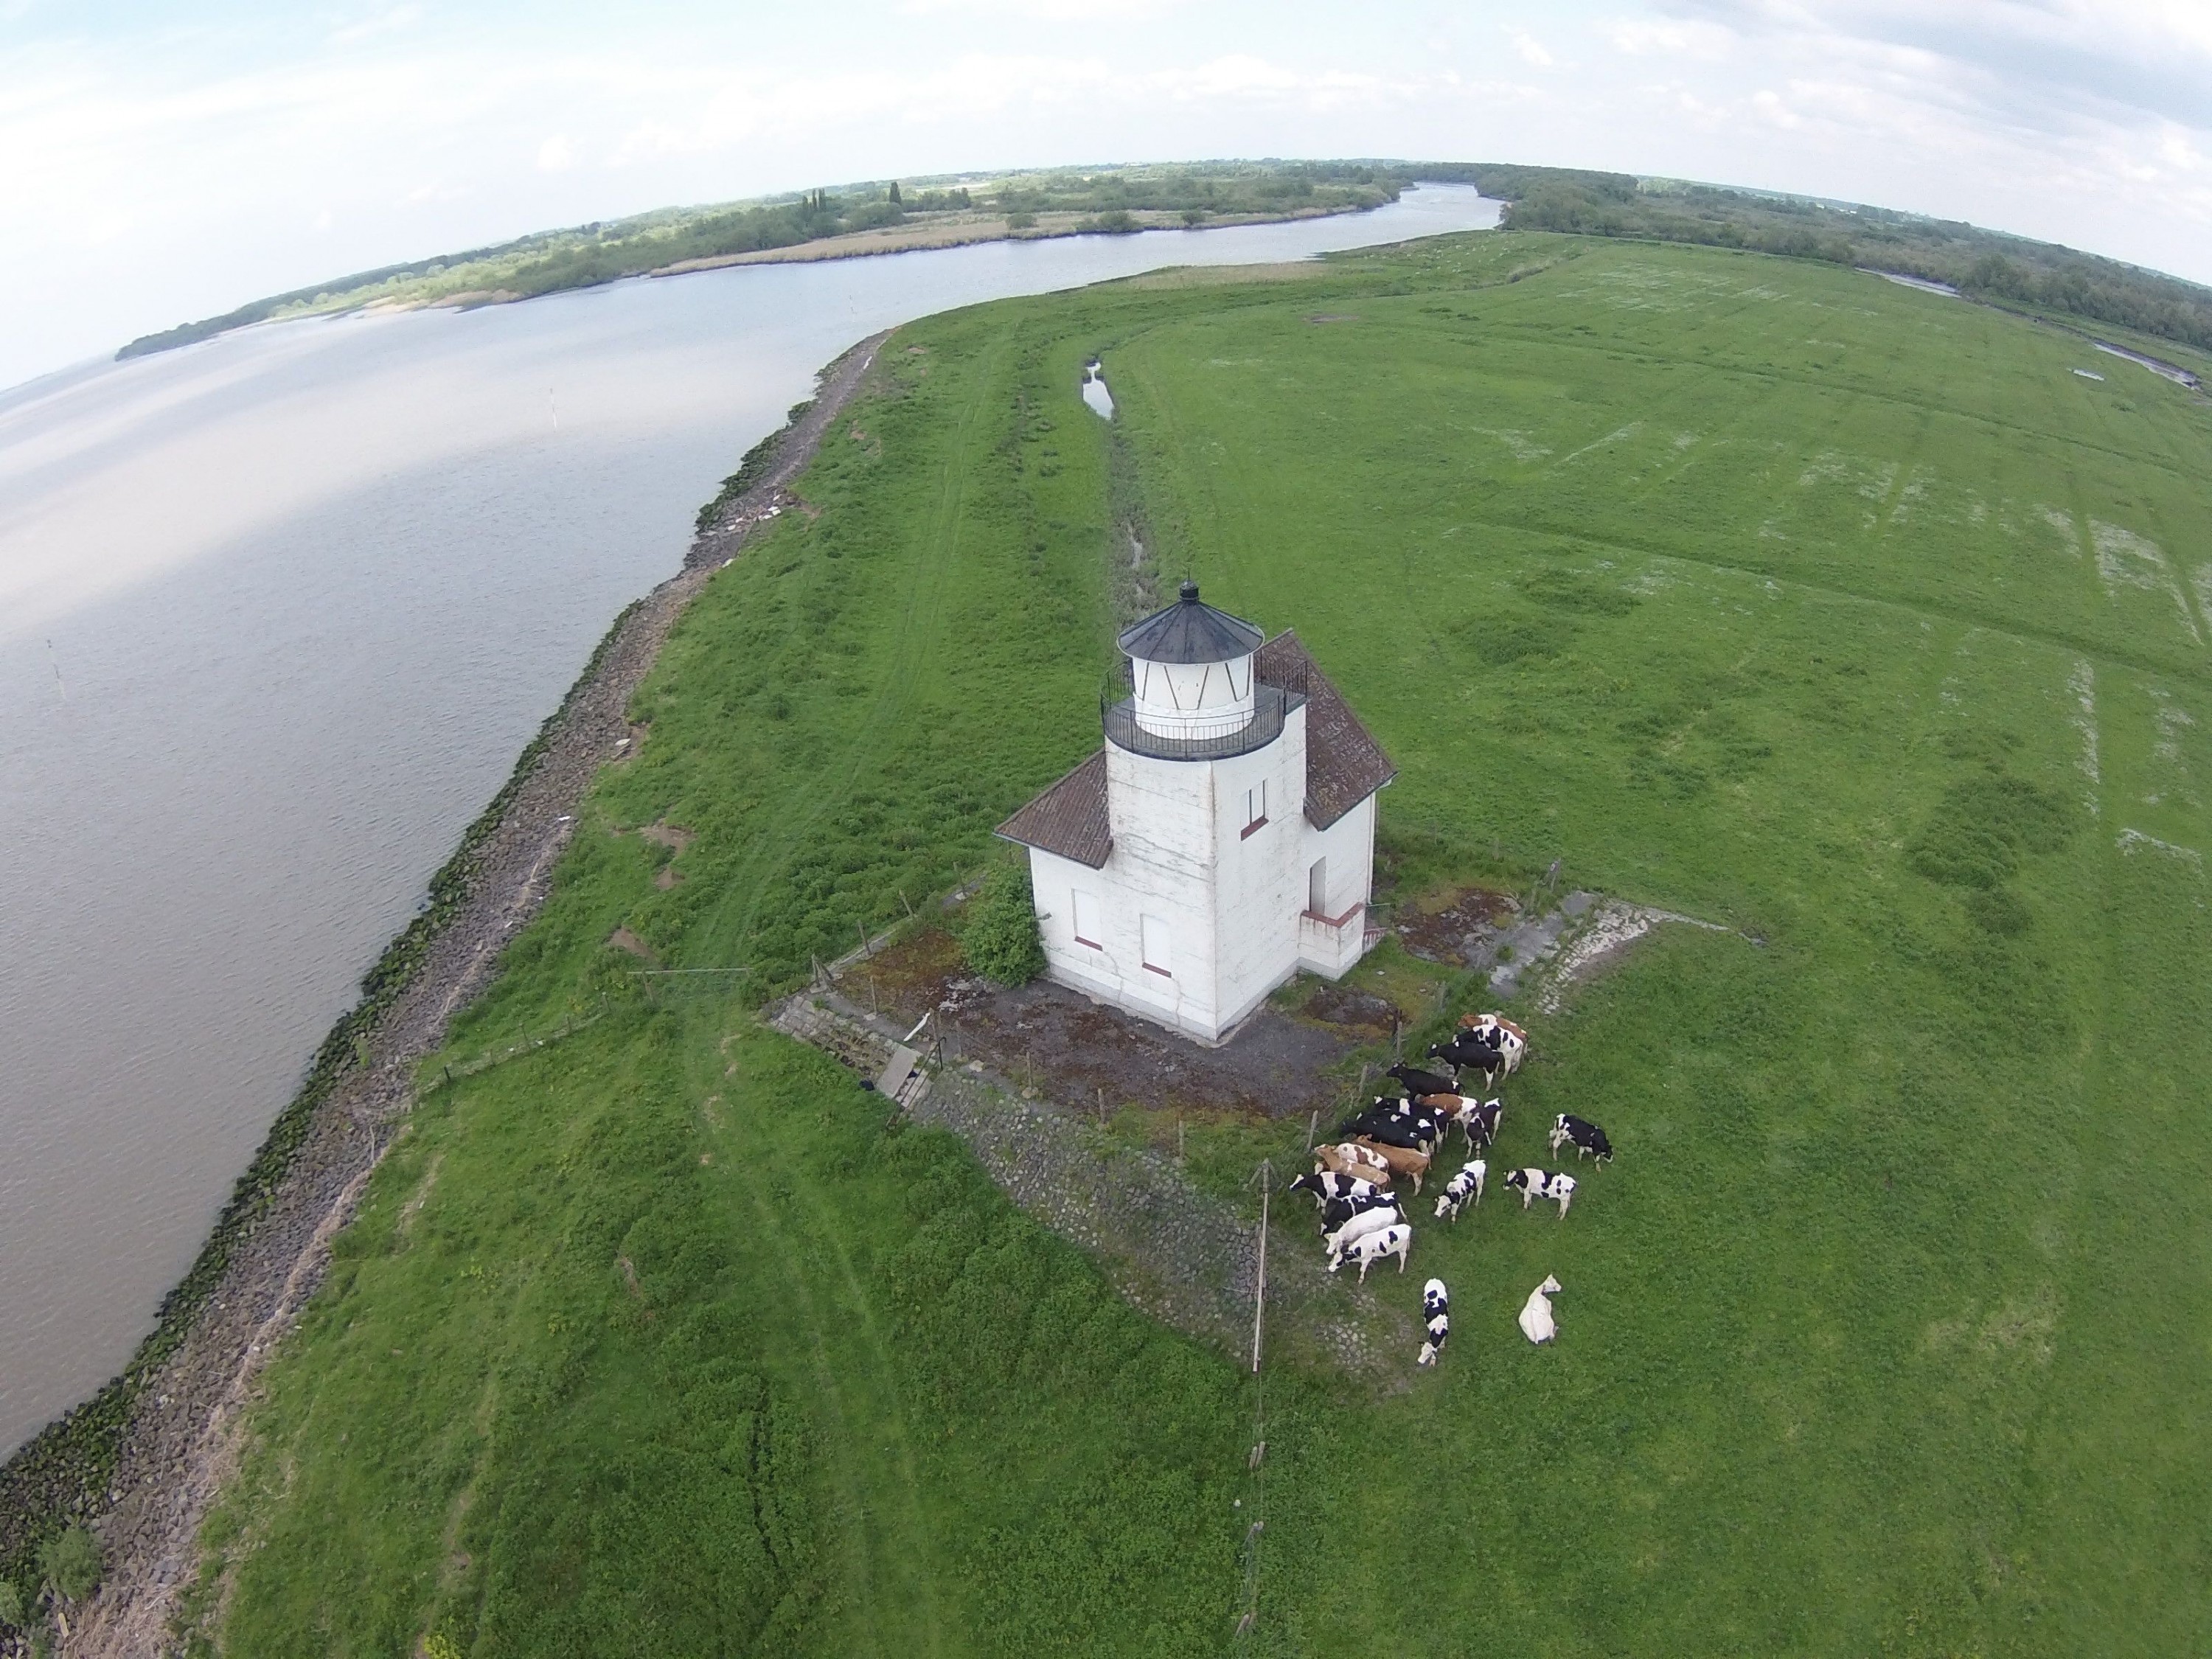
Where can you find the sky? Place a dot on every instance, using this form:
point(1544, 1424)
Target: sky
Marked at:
point(161, 162)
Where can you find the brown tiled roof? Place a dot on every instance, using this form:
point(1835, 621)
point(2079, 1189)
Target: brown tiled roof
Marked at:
point(1070, 818)
point(1343, 763)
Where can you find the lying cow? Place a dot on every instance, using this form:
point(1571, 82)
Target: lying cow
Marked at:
point(1391, 1240)
point(1358, 1227)
point(1587, 1136)
point(1534, 1183)
point(1400, 1160)
point(1536, 1321)
point(1462, 1190)
point(1436, 1317)
point(1351, 1159)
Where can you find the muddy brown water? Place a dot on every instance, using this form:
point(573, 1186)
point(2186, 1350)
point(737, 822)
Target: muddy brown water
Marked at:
point(276, 612)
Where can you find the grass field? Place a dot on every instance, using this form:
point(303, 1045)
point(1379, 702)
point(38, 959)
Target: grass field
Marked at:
point(1840, 614)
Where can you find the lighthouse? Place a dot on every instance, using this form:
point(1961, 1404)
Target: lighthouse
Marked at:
point(1223, 837)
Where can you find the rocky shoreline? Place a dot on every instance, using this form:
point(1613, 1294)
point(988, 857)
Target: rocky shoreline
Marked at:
point(142, 1459)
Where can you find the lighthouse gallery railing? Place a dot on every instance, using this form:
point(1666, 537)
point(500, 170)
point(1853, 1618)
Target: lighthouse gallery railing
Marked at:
point(1271, 705)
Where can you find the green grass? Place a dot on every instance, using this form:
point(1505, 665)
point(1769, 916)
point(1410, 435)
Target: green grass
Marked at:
point(1759, 590)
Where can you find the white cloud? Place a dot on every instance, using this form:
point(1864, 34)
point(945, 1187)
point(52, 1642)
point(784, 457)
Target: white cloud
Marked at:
point(555, 156)
point(1531, 49)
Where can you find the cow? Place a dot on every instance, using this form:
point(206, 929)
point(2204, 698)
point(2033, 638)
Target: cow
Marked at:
point(1436, 1315)
point(1462, 1190)
point(1338, 1210)
point(1536, 1321)
point(1587, 1136)
point(1502, 1045)
point(1417, 1083)
point(1478, 1119)
point(1412, 1134)
point(1351, 1159)
point(1401, 1160)
point(1327, 1186)
point(1371, 1221)
point(1534, 1183)
point(1391, 1240)
point(1493, 1022)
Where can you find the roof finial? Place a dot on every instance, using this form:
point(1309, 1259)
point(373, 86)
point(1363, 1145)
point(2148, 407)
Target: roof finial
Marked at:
point(1189, 591)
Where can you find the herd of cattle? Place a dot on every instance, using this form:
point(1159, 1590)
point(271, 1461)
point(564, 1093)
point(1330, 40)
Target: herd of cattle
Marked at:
point(1399, 1137)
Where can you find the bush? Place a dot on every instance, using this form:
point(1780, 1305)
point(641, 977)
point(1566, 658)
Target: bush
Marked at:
point(11, 1604)
point(70, 1565)
point(1000, 941)
point(1021, 219)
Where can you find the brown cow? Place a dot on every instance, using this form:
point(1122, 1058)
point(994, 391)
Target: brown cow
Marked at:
point(1402, 1160)
point(1360, 1162)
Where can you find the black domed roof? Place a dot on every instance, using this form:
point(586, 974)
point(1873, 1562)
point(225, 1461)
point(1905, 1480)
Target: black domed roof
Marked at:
point(1188, 631)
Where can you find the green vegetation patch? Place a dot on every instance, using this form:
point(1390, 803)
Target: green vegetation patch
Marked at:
point(1755, 589)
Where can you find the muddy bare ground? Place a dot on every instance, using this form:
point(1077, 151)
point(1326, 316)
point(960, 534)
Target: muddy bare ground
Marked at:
point(182, 1440)
point(1059, 1045)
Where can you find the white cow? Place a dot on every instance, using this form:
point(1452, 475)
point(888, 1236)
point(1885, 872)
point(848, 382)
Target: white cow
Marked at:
point(1366, 1222)
point(1391, 1240)
point(1463, 1188)
point(1436, 1315)
point(1536, 1321)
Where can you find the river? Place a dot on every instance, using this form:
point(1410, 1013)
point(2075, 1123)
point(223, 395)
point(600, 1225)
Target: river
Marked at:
point(276, 612)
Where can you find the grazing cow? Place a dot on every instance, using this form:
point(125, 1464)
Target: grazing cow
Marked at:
point(1401, 1160)
point(1338, 1210)
point(1536, 1321)
point(1436, 1317)
point(1534, 1183)
point(1418, 1083)
point(1462, 1190)
point(1373, 1221)
point(1351, 1159)
point(1439, 1329)
point(1587, 1136)
point(1391, 1240)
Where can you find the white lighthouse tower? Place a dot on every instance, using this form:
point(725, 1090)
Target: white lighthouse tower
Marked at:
point(1222, 840)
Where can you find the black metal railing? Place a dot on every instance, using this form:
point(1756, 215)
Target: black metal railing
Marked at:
point(1271, 705)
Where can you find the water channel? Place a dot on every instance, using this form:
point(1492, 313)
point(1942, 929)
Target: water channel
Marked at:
point(276, 612)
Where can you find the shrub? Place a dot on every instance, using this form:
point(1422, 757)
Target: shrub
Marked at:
point(1000, 941)
point(11, 1603)
point(70, 1565)
point(1021, 219)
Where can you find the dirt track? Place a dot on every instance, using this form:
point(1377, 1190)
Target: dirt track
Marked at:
point(182, 1441)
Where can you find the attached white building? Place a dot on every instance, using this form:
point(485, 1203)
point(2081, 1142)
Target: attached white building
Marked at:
point(1222, 840)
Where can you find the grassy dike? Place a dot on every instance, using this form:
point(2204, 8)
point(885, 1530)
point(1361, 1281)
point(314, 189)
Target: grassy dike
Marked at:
point(1766, 591)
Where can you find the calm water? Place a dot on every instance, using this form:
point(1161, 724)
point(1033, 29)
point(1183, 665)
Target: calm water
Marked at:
point(276, 611)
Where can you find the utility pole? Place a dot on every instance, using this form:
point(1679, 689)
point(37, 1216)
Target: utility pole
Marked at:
point(1265, 1176)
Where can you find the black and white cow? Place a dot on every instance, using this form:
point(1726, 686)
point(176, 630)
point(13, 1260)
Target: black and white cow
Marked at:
point(1461, 1190)
point(1338, 1210)
point(1377, 1246)
point(1436, 1317)
point(1418, 1083)
point(1326, 1184)
point(1587, 1136)
point(1534, 1183)
point(1360, 1226)
point(1478, 1119)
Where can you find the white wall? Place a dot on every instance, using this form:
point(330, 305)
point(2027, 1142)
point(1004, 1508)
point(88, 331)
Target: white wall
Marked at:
point(1231, 901)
